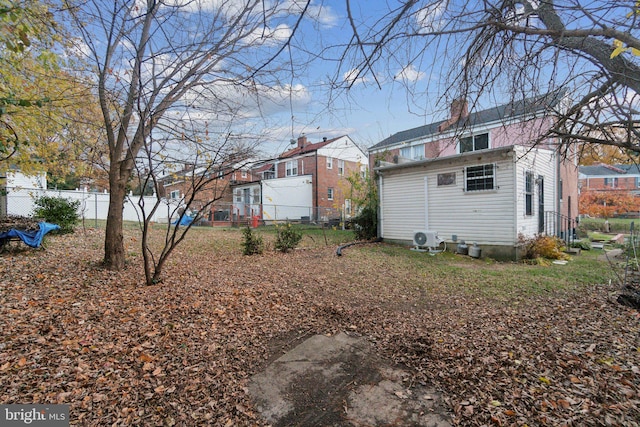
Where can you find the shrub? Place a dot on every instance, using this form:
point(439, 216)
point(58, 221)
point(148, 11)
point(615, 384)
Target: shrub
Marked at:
point(57, 210)
point(542, 246)
point(365, 224)
point(582, 244)
point(252, 244)
point(287, 238)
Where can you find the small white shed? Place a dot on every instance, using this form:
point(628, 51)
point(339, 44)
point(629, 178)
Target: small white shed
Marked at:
point(488, 197)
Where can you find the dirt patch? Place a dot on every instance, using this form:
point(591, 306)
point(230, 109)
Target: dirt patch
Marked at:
point(338, 381)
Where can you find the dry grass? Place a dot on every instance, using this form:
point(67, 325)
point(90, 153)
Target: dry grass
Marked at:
point(506, 343)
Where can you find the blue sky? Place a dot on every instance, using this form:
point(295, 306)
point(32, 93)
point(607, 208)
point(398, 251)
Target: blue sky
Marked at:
point(308, 95)
point(371, 109)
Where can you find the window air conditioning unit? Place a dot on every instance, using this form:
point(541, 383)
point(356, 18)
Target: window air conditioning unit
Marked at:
point(424, 240)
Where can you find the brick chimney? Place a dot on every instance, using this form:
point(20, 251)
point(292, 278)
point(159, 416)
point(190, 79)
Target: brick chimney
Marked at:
point(302, 141)
point(459, 110)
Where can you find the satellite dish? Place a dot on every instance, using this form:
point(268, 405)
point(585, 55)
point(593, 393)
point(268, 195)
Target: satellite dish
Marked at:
point(292, 141)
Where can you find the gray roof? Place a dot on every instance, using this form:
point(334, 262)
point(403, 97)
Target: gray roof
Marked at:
point(610, 170)
point(513, 109)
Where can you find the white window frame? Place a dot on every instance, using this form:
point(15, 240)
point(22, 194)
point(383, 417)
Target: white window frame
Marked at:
point(269, 173)
point(473, 142)
point(329, 193)
point(478, 176)
point(175, 195)
point(292, 168)
point(413, 152)
point(611, 182)
point(340, 167)
point(329, 162)
point(529, 185)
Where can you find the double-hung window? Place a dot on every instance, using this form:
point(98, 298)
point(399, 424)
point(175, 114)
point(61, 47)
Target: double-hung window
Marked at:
point(415, 152)
point(329, 193)
point(340, 167)
point(611, 182)
point(329, 162)
point(292, 168)
point(528, 193)
point(478, 178)
point(474, 143)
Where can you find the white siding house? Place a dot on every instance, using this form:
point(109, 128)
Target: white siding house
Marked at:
point(485, 177)
point(487, 197)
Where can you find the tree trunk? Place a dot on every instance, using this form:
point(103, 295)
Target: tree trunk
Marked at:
point(114, 242)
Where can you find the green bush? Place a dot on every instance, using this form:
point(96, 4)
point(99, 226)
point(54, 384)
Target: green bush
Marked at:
point(252, 244)
point(57, 210)
point(287, 238)
point(583, 244)
point(365, 224)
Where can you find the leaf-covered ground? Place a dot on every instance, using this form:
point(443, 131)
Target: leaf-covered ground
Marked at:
point(181, 352)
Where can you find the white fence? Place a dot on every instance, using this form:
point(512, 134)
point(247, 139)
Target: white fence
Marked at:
point(93, 206)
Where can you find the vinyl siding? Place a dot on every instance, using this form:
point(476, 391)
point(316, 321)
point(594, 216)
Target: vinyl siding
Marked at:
point(403, 207)
point(541, 163)
point(485, 217)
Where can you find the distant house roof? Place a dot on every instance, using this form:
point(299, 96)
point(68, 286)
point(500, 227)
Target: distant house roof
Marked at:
point(513, 109)
point(307, 148)
point(609, 170)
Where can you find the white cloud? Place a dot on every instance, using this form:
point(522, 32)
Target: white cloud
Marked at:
point(248, 102)
point(353, 77)
point(430, 18)
point(410, 74)
point(323, 14)
point(268, 36)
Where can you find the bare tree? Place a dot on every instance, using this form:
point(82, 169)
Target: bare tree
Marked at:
point(212, 157)
point(517, 49)
point(155, 56)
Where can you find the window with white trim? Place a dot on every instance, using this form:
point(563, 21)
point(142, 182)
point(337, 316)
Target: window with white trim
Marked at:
point(269, 173)
point(329, 162)
point(415, 152)
point(175, 194)
point(340, 167)
point(292, 168)
point(347, 206)
point(329, 193)
point(238, 195)
point(243, 173)
point(479, 178)
point(474, 143)
point(528, 193)
point(611, 182)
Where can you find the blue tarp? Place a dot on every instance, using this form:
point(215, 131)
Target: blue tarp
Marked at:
point(185, 220)
point(31, 238)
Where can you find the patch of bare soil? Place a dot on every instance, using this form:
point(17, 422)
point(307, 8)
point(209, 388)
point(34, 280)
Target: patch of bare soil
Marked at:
point(183, 352)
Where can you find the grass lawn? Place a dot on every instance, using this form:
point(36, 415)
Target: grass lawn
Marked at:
point(506, 343)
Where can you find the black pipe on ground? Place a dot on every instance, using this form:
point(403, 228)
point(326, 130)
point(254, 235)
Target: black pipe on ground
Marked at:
point(340, 248)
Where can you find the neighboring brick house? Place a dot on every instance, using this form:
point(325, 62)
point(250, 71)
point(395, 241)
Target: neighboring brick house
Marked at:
point(483, 177)
point(178, 187)
point(308, 181)
point(603, 177)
